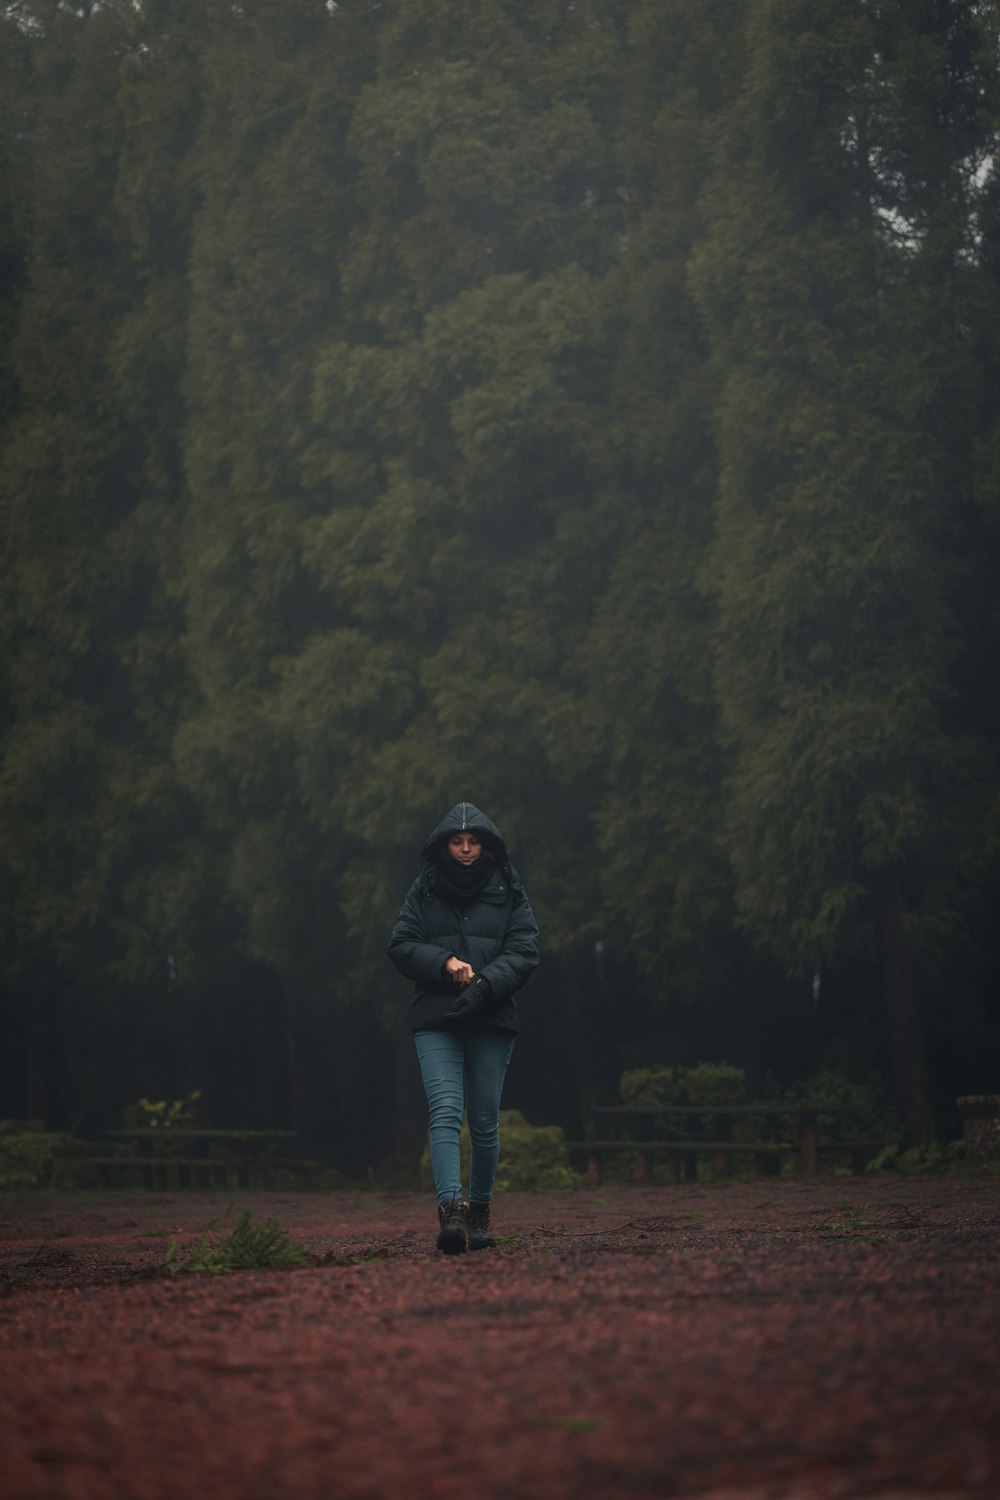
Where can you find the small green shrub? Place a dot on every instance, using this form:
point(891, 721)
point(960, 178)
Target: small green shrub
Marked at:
point(873, 1115)
point(26, 1151)
point(249, 1247)
point(705, 1083)
point(918, 1160)
point(647, 1087)
point(533, 1158)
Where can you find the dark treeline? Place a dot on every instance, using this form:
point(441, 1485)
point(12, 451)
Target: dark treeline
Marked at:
point(585, 408)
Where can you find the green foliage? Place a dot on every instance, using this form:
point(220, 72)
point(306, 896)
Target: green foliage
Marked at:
point(851, 1220)
point(160, 1114)
point(919, 1161)
point(26, 1152)
point(705, 1083)
point(874, 1114)
point(839, 206)
point(532, 1157)
point(263, 1246)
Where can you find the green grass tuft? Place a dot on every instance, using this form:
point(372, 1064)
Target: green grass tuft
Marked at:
point(249, 1247)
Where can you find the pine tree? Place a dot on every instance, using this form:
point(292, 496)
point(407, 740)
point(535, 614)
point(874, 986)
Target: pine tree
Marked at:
point(73, 592)
point(832, 285)
point(648, 716)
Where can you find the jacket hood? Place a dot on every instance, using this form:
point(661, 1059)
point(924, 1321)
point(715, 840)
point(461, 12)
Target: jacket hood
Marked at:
point(465, 817)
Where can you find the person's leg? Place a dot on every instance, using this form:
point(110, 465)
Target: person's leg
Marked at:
point(487, 1054)
point(442, 1059)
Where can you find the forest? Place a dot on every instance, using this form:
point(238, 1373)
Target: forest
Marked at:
point(587, 408)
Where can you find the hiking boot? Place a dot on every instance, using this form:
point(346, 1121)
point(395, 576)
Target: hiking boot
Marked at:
point(478, 1220)
point(453, 1239)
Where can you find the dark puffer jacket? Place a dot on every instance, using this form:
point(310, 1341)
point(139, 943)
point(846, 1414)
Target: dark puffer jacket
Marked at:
point(495, 932)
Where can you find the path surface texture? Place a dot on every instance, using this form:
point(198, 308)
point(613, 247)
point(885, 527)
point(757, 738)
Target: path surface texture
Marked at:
point(785, 1341)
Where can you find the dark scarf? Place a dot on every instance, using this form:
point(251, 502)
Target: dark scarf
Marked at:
point(462, 883)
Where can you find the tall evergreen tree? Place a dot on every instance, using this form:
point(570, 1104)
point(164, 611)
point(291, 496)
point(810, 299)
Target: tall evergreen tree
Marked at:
point(832, 285)
point(75, 585)
point(461, 401)
point(647, 711)
point(269, 232)
point(462, 406)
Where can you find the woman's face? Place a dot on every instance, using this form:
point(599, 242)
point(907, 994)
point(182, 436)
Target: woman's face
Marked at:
point(465, 847)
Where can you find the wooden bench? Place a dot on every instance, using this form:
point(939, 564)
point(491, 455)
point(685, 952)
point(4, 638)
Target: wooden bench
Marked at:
point(682, 1156)
point(164, 1173)
point(72, 1159)
point(212, 1157)
point(635, 1122)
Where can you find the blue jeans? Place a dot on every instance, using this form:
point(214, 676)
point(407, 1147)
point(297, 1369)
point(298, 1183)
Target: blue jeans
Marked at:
point(464, 1066)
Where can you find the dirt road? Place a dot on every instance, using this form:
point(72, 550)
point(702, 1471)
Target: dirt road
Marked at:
point(782, 1341)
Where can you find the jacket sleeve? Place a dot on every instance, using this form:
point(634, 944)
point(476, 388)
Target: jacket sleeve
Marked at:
point(409, 949)
point(518, 958)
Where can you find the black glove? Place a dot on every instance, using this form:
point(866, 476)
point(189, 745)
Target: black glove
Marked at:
point(471, 999)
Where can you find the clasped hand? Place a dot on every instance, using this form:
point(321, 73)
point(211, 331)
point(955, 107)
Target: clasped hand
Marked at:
point(474, 992)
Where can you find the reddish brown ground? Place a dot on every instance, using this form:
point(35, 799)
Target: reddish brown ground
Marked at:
point(815, 1341)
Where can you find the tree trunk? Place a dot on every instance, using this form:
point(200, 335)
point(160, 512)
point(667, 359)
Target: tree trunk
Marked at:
point(905, 1031)
point(408, 1098)
point(38, 1098)
point(296, 1051)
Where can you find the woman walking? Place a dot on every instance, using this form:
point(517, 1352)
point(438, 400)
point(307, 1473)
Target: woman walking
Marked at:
point(468, 939)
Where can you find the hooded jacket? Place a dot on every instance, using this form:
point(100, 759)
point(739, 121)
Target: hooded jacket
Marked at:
point(495, 931)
